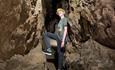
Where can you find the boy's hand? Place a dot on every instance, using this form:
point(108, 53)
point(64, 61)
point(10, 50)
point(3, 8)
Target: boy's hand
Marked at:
point(62, 44)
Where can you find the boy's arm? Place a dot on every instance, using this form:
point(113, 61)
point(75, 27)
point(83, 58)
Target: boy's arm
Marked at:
point(64, 35)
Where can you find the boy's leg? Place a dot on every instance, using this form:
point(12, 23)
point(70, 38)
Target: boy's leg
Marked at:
point(52, 35)
point(60, 55)
point(47, 36)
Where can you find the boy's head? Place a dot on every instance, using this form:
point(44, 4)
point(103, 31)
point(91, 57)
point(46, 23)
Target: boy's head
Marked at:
point(60, 12)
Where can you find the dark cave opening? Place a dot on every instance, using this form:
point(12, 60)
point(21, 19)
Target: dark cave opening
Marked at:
point(50, 20)
point(50, 16)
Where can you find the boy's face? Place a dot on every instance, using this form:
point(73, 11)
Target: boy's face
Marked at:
point(60, 13)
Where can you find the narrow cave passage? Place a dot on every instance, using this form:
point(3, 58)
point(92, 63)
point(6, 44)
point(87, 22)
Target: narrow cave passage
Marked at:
point(50, 14)
point(51, 19)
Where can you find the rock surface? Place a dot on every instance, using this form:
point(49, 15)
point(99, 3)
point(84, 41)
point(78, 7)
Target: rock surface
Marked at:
point(21, 22)
point(35, 60)
point(91, 56)
point(91, 45)
point(9, 20)
point(94, 37)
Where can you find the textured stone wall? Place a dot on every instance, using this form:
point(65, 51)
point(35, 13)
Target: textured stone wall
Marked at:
point(21, 23)
point(9, 20)
point(105, 14)
point(93, 35)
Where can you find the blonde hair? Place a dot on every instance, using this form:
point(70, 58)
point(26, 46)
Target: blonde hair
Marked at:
point(60, 9)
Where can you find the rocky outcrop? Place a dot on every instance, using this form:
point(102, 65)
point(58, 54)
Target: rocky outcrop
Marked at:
point(105, 14)
point(20, 26)
point(93, 35)
point(35, 60)
point(9, 21)
point(91, 56)
point(94, 16)
point(21, 22)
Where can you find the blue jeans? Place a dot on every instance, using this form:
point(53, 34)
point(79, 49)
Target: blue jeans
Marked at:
point(60, 51)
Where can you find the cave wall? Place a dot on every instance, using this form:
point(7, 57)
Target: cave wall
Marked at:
point(95, 18)
point(105, 14)
point(21, 23)
point(19, 26)
point(16, 28)
point(9, 20)
point(93, 35)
